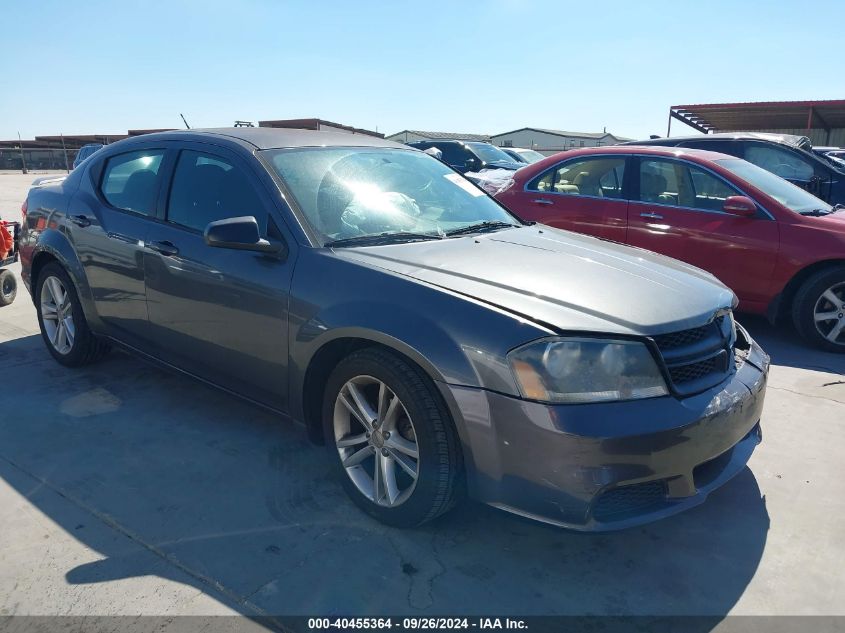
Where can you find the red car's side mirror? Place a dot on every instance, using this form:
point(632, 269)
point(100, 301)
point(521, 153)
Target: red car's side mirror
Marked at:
point(740, 205)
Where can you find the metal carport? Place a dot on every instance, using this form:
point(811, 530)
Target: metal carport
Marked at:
point(822, 121)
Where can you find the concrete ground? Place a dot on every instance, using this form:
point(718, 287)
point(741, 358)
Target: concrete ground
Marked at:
point(126, 490)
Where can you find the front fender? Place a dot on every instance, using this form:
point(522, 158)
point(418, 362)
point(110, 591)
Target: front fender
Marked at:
point(455, 339)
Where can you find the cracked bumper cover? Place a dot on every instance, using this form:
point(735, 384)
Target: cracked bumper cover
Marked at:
point(609, 466)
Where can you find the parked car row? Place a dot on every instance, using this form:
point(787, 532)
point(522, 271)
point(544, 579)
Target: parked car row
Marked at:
point(436, 342)
point(835, 155)
point(466, 157)
point(523, 155)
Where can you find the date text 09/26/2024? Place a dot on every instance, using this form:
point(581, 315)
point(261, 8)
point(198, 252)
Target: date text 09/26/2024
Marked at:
point(430, 624)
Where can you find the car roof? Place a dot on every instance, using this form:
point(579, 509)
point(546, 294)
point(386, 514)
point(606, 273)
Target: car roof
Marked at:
point(439, 141)
point(772, 137)
point(271, 138)
point(448, 141)
point(650, 150)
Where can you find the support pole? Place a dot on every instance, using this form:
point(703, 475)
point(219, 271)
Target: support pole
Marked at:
point(23, 160)
point(64, 149)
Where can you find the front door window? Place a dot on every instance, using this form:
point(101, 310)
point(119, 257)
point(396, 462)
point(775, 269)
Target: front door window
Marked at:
point(782, 162)
point(208, 188)
point(678, 184)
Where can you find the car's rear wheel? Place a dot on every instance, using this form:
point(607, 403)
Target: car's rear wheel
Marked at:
point(819, 309)
point(8, 287)
point(391, 438)
point(62, 321)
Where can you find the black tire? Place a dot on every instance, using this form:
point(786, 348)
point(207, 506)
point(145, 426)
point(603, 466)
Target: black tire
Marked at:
point(86, 347)
point(440, 481)
point(804, 307)
point(8, 287)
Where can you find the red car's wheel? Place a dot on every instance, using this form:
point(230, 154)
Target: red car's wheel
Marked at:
point(819, 309)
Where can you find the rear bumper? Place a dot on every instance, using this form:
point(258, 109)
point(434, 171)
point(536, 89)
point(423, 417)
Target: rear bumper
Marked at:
point(611, 466)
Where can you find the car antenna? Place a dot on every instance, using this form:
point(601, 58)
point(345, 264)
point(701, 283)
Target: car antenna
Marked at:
point(184, 121)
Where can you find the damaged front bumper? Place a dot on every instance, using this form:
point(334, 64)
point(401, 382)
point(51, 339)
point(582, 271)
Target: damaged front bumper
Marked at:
point(609, 466)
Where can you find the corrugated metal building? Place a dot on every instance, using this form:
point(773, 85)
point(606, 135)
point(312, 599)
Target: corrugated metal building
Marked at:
point(317, 124)
point(550, 142)
point(409, 136)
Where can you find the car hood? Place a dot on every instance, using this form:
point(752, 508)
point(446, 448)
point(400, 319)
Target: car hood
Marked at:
point(503, 164)
point(835, 219)
point(560, 279)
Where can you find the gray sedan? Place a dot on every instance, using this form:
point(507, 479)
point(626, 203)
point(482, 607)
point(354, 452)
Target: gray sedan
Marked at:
point(434, 342)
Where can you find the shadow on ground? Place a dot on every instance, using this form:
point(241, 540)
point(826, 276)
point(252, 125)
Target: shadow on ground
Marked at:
point(787, 348)
point(247, 507)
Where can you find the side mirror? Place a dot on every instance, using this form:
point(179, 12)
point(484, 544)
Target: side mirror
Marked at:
point(740, 205)
point(472, 164)
point(240, 234)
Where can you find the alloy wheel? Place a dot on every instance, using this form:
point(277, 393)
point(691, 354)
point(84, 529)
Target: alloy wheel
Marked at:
point(57, 315)
point(829, 314)
point(376, 441)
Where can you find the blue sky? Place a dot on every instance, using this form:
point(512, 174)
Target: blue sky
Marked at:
point(84, 67)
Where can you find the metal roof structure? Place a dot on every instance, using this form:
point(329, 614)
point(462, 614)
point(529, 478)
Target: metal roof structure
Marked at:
point(564, 133)
point(762, 115)
point(447, 136)
point(316, 124)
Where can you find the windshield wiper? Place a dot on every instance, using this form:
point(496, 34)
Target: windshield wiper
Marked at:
point(819, 212)
point(383, 238)
point(481, 227)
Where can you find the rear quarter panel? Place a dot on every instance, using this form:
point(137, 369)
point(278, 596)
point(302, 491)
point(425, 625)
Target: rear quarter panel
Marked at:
point(45, 232)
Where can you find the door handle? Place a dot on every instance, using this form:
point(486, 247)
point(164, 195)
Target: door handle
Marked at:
point(80, 220)
point(168, 249)
point(651, 216)
point(542, 201)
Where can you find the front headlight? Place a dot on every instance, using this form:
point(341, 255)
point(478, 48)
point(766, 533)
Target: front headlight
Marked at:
point(575, 370)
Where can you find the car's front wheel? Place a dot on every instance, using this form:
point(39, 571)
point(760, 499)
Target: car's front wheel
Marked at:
point(391, 438)
point(819, 309)
point(62, 321)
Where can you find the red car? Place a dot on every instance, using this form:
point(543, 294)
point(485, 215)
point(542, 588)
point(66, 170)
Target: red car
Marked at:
point(781, 249)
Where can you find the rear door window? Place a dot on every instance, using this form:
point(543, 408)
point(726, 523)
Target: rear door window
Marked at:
point(207, 188)
point(130, 181)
